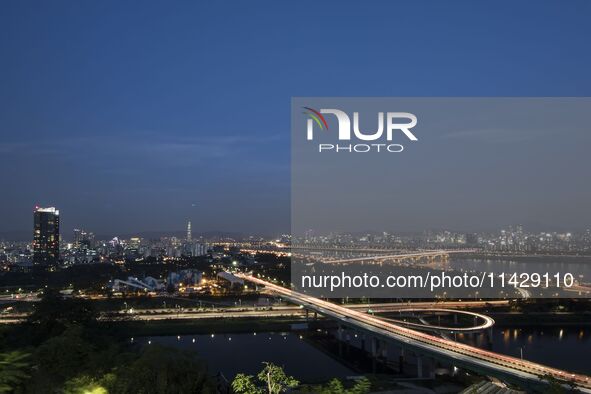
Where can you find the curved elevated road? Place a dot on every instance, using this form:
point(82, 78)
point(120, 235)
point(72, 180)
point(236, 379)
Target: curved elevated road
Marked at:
point(487, 322)
point(470, 357)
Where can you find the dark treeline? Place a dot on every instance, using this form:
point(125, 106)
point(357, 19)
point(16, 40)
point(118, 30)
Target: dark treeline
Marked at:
point(63, 348)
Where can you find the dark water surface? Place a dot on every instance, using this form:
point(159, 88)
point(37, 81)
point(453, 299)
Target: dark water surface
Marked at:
point(567, 348)
point(244, 353)
point(580, 268)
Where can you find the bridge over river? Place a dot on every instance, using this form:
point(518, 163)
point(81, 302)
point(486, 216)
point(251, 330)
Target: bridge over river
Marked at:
point(510, 369)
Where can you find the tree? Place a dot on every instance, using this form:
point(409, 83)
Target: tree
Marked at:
point(335, 386)
point(54, 309)
point(13, 370)
point(243, 384)
point(62, 357)
point(84, 385)
point(161, 370)
point(52, 316)
point(275, 379)
point(362, 386)
point(271, 377)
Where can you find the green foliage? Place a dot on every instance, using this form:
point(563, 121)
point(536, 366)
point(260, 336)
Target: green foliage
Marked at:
point(84, 385)
point(335, 386)
point(161, 370)
point(13, 370)
point(52, 316)
point(53, 309)
point(272, 378)
point(243, 384)
point(362, 386)
point(69, 355)
point(72, 353)
point(275, 379)
point(63, 356)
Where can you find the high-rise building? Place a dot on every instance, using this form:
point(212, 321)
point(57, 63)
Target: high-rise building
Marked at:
point(189, 235)
point(77, 236)
point(46, 236)
point(83, 239)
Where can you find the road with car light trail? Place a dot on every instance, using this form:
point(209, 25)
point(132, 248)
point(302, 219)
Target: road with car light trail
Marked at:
point(469, 357)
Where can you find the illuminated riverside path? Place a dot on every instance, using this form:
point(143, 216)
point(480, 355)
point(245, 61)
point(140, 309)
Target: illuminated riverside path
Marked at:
point(471, 358)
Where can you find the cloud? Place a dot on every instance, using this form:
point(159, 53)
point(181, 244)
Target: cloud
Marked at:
point(156, 145)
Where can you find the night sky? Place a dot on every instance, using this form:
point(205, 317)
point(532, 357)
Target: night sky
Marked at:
point(137, 116)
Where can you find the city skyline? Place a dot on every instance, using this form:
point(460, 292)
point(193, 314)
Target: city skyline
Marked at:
point(46, 231)
point(51, 248)
point(71, 233)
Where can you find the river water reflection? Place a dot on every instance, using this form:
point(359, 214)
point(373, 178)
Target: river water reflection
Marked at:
point(580, 268)
point(567, 348)
point(245, 353)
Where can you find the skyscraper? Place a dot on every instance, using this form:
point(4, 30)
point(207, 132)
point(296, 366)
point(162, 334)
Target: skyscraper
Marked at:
point(77, 236)
point(46, 236)
point(83, 239)
point(189, 236)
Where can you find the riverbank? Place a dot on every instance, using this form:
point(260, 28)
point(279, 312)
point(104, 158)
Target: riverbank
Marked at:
point(539, 258)
point(208, 326)
point(285, 324)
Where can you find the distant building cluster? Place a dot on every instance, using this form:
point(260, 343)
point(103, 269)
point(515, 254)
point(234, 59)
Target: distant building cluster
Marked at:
point(48, 248)
point(514, 239)
point(137, 248)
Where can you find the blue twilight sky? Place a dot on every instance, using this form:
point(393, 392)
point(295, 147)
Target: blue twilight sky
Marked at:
point(136, 116)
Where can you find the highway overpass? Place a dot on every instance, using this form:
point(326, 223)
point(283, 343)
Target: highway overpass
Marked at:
point(485, 321)
point(511, 369)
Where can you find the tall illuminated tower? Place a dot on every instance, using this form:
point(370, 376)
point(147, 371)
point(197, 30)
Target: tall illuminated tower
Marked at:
point(46, 236)
point(189, 236)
